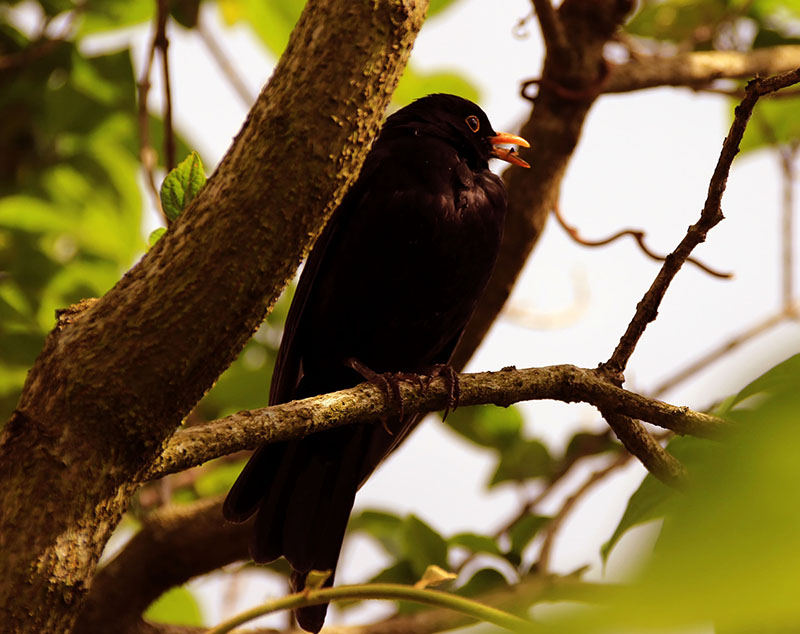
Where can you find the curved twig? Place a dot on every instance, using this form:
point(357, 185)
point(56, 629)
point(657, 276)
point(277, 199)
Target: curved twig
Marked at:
point(636, 234)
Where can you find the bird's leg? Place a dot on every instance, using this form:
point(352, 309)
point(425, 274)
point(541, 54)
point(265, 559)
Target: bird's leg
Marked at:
point(389, 384)
point(451, 382)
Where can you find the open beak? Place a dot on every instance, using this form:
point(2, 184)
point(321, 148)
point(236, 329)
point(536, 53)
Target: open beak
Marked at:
point(508, 154)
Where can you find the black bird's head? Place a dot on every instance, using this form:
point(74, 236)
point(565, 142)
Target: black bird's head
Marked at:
point(459, 122)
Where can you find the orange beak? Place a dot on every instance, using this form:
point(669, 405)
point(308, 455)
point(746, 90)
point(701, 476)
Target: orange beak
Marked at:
point(508, 154)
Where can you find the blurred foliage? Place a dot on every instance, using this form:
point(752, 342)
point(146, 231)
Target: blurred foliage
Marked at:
point(175, 607)
point(731, 25)
point(728, 552)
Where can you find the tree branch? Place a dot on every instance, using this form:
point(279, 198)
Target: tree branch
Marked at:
point(366, 403)
point(711, 215)
point(698, 69)
point(173, 546)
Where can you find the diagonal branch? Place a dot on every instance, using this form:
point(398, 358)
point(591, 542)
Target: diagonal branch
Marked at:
point(366, 403)
point(711, 215)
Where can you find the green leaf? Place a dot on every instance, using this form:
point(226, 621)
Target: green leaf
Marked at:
point(437, 6)
point(779, 379)
point(400, 572)
point(176, 607)
point(522, 533)
point(155, 236)
point(475, 543)
point(384, 527)
point(415, 84)
point(272, 21)
point(181, 185)
point(676, 20)
point(488, 425)
point(774, 122)
point(423, 546)
point(588, 444)
point(111, 15)
point(653, 499)
point(218, 477)
point(483, 581)
point(524, 461)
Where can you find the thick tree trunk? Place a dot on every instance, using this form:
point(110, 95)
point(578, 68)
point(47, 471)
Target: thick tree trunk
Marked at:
point(118, 374)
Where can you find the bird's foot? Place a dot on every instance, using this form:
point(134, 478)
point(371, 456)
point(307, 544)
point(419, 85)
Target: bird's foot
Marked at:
point(451, 382)
point(389, 384)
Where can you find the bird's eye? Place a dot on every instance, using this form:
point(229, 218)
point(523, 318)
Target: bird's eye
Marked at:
point(473, 122)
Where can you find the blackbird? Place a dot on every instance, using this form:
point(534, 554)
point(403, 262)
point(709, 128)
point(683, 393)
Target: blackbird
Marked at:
point(389, 286)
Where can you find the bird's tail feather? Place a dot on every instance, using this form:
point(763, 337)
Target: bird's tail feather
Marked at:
point(303, 492)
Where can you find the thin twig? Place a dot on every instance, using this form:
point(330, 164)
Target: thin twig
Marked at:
point(717, 353)
point(147, 154)
point(788, 157)
point(228, 70)
point(636, 234)
point(711, 215)
point(557, 521)
point(162, 43)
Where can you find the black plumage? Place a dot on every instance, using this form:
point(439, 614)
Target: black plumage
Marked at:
point(391, 282)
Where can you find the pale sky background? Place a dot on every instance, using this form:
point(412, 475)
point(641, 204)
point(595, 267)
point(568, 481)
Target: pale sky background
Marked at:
point(644, 161)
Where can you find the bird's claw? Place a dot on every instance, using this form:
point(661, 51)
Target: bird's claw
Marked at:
point(389, 384)
point(451, 382)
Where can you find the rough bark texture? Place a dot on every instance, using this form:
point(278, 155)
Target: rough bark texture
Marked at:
point(172, 547)
point(367, 403)
point(570, 83)
point(117, 375)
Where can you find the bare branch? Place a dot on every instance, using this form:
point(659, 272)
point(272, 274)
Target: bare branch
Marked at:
point(699, 69)
point(636, 234)
point(718, 352)
point(162, 43)
point(557, 521)
point(366, 403)
point(711, 215)
point(225, 65)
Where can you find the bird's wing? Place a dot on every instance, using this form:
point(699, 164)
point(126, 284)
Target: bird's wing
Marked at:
point(287, 372)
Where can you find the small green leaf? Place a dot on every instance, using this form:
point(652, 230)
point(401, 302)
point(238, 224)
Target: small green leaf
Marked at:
point(676, 20)
point(475, 543)
point(181, 185)
point(488, 425)
point(774, 122)
point(653, 499)
point(401, 572)
point(587, 444)
point(384, 527)
point(780, 379)
point(482, 582)
point(155, 236)
point(176, 607)
point(521, 534)
point(423, 545)
point(415, 84)
point(218, 477)
point(524, 461)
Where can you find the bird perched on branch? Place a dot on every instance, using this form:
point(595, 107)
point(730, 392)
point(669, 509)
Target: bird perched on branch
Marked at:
point(388, 287)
